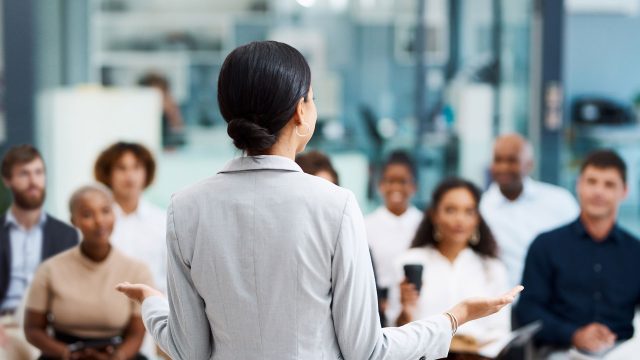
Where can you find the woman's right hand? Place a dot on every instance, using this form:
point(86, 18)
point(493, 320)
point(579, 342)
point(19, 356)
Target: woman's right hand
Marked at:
point(408, 297)
point(138, 292)
point(476, 308)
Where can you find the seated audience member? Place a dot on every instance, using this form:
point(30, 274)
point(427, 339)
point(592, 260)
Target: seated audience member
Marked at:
point(29, 236)
point(391, 227)
point(140, 229)
point(318, 164)
point(581, 279)
point(518, 208)
point(73, 292)
point(458, 254)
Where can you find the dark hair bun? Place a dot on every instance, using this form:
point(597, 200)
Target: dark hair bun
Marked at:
point(248, 135)
point(259, 88)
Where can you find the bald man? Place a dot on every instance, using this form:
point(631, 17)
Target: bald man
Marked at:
point(518, 208)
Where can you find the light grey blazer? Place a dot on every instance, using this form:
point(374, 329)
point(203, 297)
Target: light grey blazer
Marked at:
point(267, 262)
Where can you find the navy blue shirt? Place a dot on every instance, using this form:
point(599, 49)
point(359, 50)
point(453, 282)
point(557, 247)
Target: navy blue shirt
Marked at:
point(570, 280)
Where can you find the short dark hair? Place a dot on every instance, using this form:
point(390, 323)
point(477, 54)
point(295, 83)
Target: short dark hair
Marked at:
point(259, 87)
point(17, 155)
point(110, 156)
point(606, 159)
point(400, 157)
point(153, 79)
point(314, 161)
point(425, 236)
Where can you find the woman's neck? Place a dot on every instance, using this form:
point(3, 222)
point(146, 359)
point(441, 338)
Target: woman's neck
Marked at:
point(398, 210)
point(450, 250)
point(128, 204)
point(282, 149)
point(287, 145)
point(94, 252)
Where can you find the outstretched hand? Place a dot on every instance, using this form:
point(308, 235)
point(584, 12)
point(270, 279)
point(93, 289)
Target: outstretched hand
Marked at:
point(137, 292)
point(476, 308)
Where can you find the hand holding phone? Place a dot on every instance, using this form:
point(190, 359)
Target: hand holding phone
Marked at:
point(413, 274)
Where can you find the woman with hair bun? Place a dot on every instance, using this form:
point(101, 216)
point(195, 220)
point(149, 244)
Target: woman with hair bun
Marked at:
point(268, 262)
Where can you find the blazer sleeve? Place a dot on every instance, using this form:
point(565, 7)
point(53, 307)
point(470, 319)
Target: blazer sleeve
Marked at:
point(179, 326)
point(72, 238)
point(57, 237)
point(355, 308)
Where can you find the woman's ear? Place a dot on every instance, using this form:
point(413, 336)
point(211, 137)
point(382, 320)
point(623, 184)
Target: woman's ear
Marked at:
point(299, 115)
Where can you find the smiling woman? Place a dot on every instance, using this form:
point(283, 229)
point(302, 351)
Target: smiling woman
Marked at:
point(457, 251)
point(392, 226)
point(75, 289)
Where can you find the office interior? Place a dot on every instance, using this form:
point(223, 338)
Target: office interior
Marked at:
point(437, 78)
point(440, 79)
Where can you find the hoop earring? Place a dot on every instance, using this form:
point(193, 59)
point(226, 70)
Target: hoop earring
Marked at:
point(308, 130)
point(436, 235)
point(475, 238)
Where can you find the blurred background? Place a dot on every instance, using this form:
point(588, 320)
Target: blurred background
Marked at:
point(438, 78)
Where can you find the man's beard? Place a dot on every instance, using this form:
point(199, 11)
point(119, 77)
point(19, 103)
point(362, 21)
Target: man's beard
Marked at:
point(26, 202)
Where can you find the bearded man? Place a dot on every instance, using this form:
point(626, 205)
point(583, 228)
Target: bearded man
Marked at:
point(28, 236)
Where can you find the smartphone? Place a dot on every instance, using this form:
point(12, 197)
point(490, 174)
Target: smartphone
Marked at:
point(383, 293)
point(413, 273)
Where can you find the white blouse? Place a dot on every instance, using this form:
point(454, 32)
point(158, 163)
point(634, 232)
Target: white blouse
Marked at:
point(390, 236)
point(142, 235)
point(445, 284)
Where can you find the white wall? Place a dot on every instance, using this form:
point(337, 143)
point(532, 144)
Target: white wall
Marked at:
point(75, 125)
point(474, 125)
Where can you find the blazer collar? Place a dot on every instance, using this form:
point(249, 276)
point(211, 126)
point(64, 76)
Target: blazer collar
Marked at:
point(261, 162)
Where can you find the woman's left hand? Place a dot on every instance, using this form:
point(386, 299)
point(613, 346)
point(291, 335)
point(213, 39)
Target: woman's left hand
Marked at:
point(138, 292)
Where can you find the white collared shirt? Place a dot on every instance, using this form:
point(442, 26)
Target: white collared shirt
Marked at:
point(445, 284)
point(390, 236)
point(26, 255)
point(142, 235)
point(515, 224)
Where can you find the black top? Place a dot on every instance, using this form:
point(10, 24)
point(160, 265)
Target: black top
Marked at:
point(56, 237)
point(571, 280)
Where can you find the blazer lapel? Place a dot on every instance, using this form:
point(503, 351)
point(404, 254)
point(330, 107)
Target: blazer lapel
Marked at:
point(5, 258)
point(47, 241)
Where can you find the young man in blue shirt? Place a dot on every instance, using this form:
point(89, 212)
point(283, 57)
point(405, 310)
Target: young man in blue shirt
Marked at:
point(582, 278)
